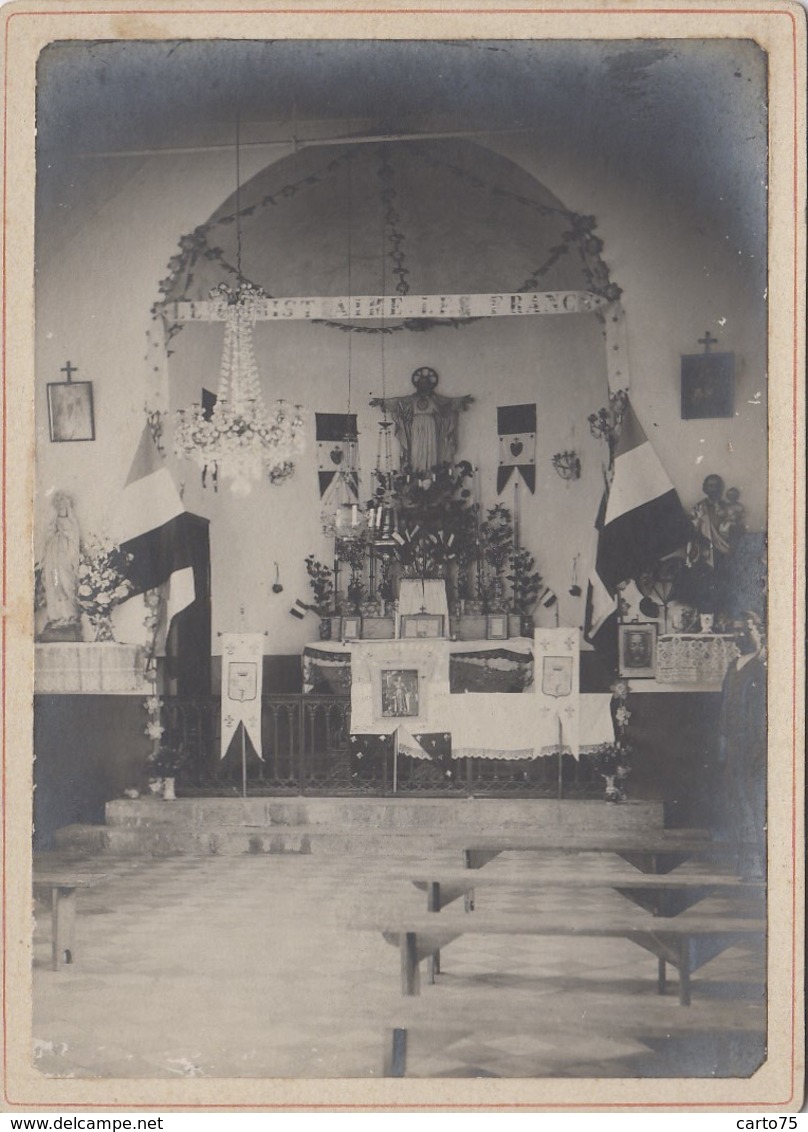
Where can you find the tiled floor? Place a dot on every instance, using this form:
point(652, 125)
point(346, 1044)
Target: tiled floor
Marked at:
point(247, 967)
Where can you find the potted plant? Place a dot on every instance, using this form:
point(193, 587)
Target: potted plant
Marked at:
point(525, 583)
point(496, 544)
point(321, 581)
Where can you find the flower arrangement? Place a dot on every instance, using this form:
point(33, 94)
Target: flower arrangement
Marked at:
point(102, 582)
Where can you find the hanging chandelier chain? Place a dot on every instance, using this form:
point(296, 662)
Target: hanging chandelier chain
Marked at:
point(350, 281)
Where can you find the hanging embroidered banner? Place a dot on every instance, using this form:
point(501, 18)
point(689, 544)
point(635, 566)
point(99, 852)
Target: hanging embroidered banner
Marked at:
point(242, 678)
point(516, 425)
point(556, 663)
point(337, 454)
point(314, 307)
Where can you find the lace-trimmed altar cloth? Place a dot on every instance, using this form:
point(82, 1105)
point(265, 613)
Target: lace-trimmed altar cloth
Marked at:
point(694, 658)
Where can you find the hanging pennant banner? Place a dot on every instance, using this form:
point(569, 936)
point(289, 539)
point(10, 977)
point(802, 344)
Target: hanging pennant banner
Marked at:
point(315, 307)
point(556, 660)
point(337, 453)
point(516, 425)
point(242, 679)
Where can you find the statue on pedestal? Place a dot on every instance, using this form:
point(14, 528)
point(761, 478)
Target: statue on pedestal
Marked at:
point(425, 422)
point(60, 565)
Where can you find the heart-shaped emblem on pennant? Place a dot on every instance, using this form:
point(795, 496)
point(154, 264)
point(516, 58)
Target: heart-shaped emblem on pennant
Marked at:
point(336, 455)
point(517, 447)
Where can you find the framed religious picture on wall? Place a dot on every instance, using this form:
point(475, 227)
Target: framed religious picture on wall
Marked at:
point(637, 649)
point(70, 410)
point(421, 626)
point(400, 692)
point(496, 626)
point(708, 382)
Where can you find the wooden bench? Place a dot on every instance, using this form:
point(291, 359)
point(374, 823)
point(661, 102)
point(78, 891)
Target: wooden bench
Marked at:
point(687, 942)
point(659, 853)
point(663, 896)
point(63, 887)
point(718, 1027)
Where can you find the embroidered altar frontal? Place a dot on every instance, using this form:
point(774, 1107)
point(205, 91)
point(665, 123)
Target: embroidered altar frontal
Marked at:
point(480, 696)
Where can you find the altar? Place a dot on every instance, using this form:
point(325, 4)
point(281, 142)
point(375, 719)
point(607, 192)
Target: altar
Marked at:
point(484, 698)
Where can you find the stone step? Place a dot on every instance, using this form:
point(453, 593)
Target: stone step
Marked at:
point(528, 815)
point(165, 840)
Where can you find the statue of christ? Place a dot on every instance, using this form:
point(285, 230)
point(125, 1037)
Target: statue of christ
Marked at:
point(425, 422)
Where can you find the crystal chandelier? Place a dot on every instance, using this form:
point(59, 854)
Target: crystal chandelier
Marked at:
point(239, 439)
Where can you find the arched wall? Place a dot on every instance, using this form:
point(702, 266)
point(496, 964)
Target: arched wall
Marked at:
point(95, 291)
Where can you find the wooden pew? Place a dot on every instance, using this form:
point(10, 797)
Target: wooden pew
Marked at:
point(63, 885)
point(686, 942)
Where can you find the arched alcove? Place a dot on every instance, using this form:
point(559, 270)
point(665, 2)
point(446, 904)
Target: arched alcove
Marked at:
point(427, 218)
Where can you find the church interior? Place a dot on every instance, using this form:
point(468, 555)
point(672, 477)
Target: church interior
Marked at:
point(400, 534)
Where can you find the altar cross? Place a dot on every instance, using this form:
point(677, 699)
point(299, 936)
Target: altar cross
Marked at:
point(69, 369)
point(707, 341)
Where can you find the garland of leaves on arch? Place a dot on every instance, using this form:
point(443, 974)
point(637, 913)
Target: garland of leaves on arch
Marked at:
point(579, 239)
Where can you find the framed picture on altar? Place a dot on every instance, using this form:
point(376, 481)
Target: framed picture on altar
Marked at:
point(496, 627)
point(400, 692)
point(70, 410)
point(351, 628)
point(637, 649)
point(421, 626)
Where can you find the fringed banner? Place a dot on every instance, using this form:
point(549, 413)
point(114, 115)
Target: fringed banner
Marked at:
point(242, 678)
point(516, 425)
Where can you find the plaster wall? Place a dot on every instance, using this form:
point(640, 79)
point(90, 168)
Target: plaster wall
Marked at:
point(679, 278)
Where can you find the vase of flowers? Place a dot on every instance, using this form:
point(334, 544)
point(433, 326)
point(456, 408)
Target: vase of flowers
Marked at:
point(164, 766)
point(102, 583)
point(612, 763)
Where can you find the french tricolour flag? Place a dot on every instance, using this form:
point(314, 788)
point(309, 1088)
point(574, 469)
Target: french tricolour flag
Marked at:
point(641, 520)
point(150, 527)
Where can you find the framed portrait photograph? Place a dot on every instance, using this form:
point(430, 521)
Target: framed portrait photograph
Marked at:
point(70, 410)
point(400, 690)
point(637, 649)
point(708, 386)
point(351, 628)
point(421, 626)
point(496, 627)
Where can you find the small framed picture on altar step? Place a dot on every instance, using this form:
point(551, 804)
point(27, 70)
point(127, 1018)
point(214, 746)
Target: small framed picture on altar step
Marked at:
point(637, 649)
point(496, 627)
point(421, 626)
point(351, 628)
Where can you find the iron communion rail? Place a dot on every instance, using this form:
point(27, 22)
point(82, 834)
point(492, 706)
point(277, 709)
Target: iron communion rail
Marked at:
point(308, 749)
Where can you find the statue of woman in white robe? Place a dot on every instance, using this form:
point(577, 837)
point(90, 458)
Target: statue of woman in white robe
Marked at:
point(60, 563)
